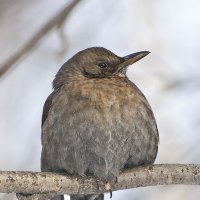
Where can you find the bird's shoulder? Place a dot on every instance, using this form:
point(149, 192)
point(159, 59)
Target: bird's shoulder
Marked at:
point(47, 105)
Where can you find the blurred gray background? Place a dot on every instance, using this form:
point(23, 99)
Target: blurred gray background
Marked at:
point(169, 76)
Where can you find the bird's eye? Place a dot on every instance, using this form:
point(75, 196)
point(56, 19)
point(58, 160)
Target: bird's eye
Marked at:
point(103, 65)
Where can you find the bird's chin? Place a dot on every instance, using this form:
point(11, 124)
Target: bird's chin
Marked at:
point(122, 72)
point(121, 75)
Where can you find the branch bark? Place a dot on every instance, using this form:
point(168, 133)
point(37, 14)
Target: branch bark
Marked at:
point(56, 21)
point(52, 183)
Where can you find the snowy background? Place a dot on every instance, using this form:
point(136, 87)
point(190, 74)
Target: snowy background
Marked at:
point(169, 76)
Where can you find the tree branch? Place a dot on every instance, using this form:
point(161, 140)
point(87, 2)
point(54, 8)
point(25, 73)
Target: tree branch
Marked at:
point(52, 183)
point(56, 21)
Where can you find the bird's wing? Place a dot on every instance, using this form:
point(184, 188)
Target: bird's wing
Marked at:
point(47, 105)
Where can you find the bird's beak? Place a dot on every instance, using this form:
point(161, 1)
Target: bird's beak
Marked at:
point(130, 59)
point(134, 57)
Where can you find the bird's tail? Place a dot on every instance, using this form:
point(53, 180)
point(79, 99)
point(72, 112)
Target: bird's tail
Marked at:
point(87, 197)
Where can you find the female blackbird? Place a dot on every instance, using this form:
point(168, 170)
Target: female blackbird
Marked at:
point(96, 121)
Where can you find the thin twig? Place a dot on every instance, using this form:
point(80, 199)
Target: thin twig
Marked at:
point(56, 21)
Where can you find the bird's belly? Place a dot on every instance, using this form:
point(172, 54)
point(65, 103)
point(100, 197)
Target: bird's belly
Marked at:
point(99, 142)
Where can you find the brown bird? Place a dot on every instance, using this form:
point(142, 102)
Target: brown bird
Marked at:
point(96, 121)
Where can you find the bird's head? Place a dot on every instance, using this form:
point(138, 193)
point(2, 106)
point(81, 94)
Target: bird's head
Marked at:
point(96, 62)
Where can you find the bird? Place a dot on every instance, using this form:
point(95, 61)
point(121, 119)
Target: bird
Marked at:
point(97, 122)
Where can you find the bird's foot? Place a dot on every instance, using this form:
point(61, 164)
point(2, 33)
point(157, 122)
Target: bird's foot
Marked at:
point(110, 184)
point(108, 188)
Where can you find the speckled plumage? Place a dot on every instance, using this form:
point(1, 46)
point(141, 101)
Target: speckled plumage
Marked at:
point(96, 125)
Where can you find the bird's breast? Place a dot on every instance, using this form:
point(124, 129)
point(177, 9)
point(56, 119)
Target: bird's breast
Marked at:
point(107, 92)
point(108, 101)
